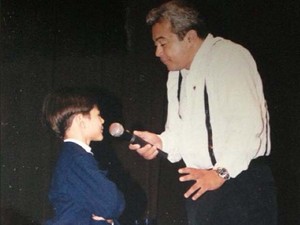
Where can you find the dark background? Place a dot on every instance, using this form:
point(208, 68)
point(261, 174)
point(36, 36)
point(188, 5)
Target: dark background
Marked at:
point(105, 45)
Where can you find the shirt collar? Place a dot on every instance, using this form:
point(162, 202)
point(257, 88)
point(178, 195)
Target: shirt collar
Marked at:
point(184, 72)
point(204, 50)
point(83, 145)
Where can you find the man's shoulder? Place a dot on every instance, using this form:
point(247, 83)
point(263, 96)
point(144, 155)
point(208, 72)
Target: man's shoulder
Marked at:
point(222, 44)
point(229, 49)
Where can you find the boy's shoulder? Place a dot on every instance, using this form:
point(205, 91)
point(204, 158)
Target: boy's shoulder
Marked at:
point(73, 155)
point(71, 148)
point(70, 151)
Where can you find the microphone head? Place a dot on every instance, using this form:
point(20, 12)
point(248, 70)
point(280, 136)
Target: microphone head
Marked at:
point(116, 129)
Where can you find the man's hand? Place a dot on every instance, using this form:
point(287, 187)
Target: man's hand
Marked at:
point(206, 180)
point(148, 151)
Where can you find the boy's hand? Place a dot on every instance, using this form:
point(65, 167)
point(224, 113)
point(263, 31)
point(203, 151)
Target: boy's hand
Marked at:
point(99, 218)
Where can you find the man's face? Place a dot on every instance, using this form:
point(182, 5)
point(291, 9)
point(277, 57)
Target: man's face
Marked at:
point(174, 53)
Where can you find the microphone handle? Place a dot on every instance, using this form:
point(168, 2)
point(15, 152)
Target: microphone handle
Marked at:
point(133, 139)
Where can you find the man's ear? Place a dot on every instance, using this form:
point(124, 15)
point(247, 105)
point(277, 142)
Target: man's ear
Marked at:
point(191, 36)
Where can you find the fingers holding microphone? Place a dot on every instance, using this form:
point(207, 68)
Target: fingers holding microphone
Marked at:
point(147, 144)
point(148, 151)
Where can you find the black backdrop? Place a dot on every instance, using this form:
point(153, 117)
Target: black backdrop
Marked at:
point(104, 44)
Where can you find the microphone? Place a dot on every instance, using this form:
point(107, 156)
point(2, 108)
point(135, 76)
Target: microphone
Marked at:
point(117, 130)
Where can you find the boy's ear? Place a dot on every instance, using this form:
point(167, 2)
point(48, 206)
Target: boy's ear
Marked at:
point(79, 119)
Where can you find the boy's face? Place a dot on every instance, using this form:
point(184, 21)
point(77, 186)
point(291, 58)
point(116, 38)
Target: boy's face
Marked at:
point(94, 126)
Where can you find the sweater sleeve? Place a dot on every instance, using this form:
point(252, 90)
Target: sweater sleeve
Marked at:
point(92, 189)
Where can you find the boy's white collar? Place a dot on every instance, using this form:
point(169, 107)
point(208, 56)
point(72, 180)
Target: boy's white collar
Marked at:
point(83, 145)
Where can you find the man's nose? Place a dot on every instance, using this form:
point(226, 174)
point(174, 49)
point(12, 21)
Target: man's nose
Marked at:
point(158, 51)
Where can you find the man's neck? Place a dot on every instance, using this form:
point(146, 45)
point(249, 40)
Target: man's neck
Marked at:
point(195, 48)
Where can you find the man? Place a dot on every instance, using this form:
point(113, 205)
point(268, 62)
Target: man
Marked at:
point(217, 121)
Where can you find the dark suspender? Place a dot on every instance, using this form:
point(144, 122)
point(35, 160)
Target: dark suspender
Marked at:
point(207, 119)
point(179, 86)
point(267, 133)
point(208, 127)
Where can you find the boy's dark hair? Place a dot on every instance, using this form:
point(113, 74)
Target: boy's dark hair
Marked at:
point(60, 107)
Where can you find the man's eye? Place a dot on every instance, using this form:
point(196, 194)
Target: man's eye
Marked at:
point(160, 44)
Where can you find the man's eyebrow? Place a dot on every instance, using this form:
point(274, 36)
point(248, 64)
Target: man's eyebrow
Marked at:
point(159, 38)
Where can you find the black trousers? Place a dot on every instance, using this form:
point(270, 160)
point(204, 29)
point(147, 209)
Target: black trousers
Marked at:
point(248, 199)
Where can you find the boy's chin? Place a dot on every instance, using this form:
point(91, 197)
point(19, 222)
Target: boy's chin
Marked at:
point(99, 138)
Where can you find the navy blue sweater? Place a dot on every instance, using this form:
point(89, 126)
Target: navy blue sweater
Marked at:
point(79, 189)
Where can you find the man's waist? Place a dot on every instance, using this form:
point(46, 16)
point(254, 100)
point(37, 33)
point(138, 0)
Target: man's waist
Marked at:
point(261, 160)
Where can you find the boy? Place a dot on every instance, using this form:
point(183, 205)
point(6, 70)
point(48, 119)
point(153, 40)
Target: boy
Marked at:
point(80, 193)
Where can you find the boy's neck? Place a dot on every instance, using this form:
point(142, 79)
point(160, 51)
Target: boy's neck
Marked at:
point(82, 144)
point(76, 134)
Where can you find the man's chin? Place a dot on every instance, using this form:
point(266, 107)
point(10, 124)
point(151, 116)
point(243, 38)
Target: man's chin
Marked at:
point(172, 68)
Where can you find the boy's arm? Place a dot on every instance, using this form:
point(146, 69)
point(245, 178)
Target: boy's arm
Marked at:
point(94, 189)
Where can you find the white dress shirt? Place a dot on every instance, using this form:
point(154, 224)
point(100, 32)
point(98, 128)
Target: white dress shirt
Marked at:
point(238, 110)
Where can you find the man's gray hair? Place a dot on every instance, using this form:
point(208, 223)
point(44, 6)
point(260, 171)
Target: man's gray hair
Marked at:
point(182, 16)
